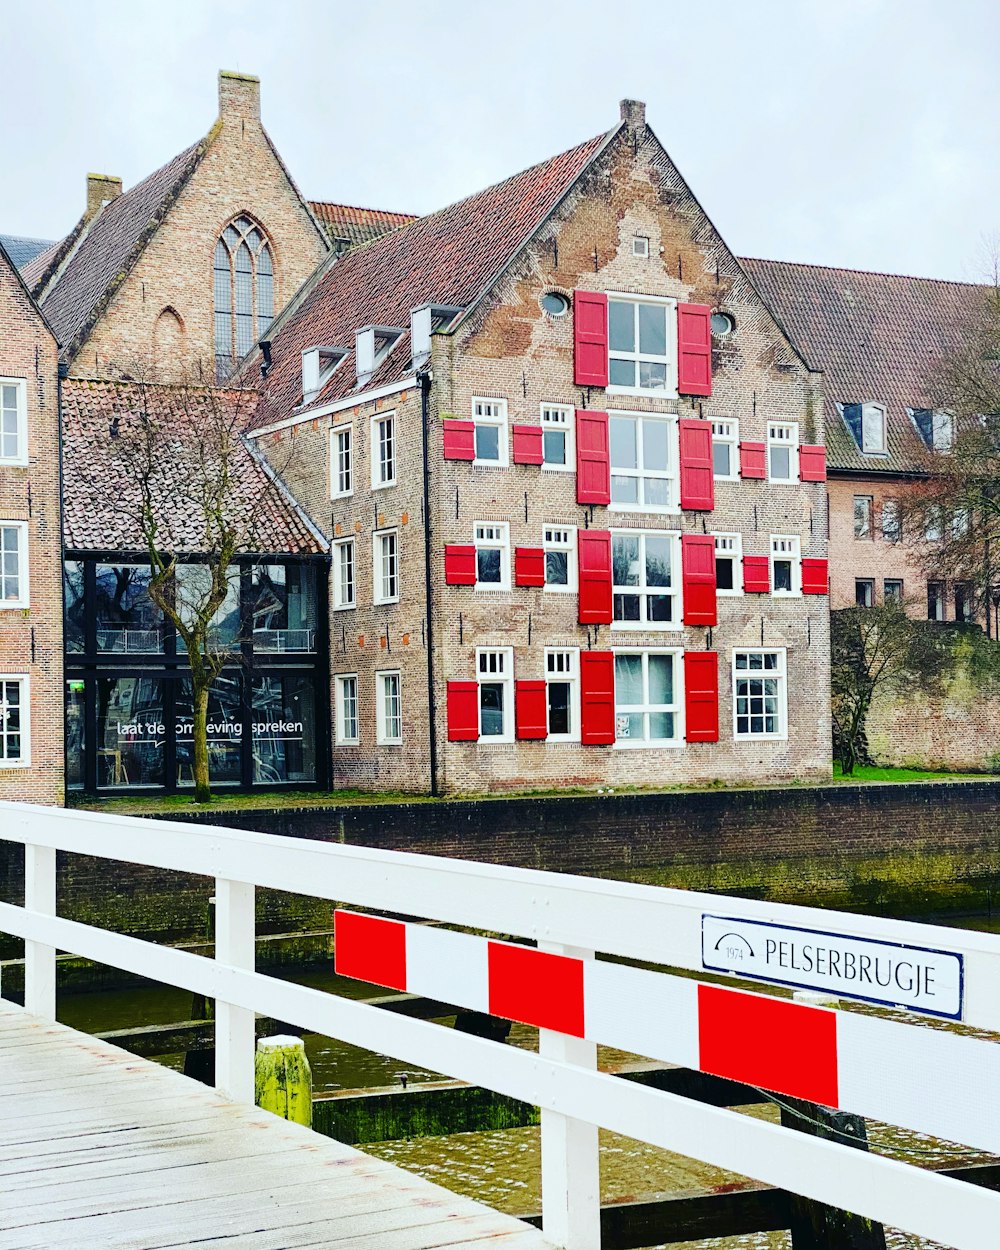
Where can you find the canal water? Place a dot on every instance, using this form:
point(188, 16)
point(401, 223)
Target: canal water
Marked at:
point(502, 1168)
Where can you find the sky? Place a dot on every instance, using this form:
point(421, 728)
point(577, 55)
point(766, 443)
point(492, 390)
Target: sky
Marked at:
point(860, 133)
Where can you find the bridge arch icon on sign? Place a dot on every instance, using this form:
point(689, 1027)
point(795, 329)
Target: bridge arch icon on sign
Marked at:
point(730, 938)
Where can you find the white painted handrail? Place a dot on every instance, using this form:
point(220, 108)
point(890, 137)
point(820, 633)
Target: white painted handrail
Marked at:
point(559, 912)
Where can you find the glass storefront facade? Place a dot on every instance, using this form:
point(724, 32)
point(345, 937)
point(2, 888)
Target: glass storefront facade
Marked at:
point(129, 721)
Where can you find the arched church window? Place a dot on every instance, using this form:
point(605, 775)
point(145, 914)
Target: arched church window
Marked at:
point(244, 292)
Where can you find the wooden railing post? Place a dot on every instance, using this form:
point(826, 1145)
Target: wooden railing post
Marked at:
point(571, 1174)
point(235, 933)
point(39, 959)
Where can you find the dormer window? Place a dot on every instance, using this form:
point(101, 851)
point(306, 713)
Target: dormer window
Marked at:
point(424, 322)
point(318, 365)
point(934, 425)
point(867, 424)
point(371, 346)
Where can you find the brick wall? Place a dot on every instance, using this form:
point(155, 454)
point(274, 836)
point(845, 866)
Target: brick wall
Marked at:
point(31, 638)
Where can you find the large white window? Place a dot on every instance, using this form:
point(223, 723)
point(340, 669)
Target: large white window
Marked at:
point(13, 421)
point(383, 450)
point(386, 566)
point(786, 565)
point(935, 427)
point(495, 669)
point(557, 437)
point(728, 564)
point(344, 575)
point(341, 462)
point(644, 572)
point(388, 709)
point(559, 545)
point(14, 711)
point(759, 694)
point(492, 542)
point(647, 698)
point(346, 701)
point(643, 462)
point(490, 419)
point(783, 451)
point(13, 564)
point(642, 345)
point(726, 450)
point(562, 694)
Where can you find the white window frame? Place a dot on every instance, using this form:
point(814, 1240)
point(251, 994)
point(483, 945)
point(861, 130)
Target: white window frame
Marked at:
point(868, 532)
point(569, 676)
point(640, 247)
point(675, 590)
point(383, 677)
point(780, 674)
point(504, 677)
point(784, 434)
point(868, 411)
point(501, 541)
point(379, 578)
point(942, 430)
point(669, 475)
point(21, 421)
point(497, 419)
point(559, 417)
point(787, 547)
point(380, 482)
point(340, 603)
point(730, 545)
point(669, 359)
point(891, 508)
point(341, 736)
point(338, 469)
point(568, 545)
point(677, 707)
point(24, 681)
point(23, 599)
point(726, 430)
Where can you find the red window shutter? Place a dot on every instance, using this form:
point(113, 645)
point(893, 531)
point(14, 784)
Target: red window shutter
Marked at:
point(593, 457)
point(694, 349)
point(697, 473)
point(463, 711)
point(529, 566)
point(530, 718)
point(701, 696)
point(597, 698)
point(590, 336)
point(756, 575)
point(753, 460)
point(460, 566)
point(698, 569)
point(459, 440)
point(812, 463)
point(527, 444)
point(814, 577)
point(594, 556)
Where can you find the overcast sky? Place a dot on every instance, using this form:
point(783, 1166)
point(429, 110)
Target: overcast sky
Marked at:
point(861, 133)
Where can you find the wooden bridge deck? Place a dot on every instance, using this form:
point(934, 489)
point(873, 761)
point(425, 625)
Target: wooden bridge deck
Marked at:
point(100, 1149)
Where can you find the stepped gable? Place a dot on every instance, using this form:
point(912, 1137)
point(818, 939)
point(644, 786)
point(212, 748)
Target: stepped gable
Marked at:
point(94, 518)
point(356, 225)
point(875, 336)
point(449, 257)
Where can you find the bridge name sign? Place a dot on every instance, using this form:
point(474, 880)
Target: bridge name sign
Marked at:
point(918, 978)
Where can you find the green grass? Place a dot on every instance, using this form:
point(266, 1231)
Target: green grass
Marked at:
point(874, 773)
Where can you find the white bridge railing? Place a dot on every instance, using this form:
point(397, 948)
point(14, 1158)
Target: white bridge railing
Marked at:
point(933, 1081)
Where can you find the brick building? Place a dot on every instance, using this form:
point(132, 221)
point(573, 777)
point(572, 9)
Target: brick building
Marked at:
point(31, 642)
point(572, 472)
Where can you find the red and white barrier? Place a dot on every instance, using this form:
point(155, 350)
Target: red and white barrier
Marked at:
point(874, 1067)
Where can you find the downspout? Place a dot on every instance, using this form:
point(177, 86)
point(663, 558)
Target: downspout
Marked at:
point(62, 372)
point(424, 379)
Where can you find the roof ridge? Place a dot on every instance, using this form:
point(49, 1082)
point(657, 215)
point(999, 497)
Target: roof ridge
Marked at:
point(364, 208)
point(171, 386)
point(871, 273)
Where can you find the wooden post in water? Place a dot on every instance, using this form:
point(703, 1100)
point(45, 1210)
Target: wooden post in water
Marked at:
point(283, 1079)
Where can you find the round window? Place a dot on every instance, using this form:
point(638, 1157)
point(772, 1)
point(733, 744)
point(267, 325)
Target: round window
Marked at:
point(722, 323)
point(555, 304)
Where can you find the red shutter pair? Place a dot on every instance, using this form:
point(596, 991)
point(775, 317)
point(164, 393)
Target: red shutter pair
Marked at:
point(597, 697)
point(530, 720)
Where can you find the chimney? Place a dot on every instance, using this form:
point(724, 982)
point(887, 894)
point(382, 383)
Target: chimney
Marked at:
point(239, 95)
point(101, 188)
point(633, 115)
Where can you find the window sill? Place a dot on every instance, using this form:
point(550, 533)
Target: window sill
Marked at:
point(783, 481)
point(760, 737)
point(490, 464)
point(490, 589)
point(6, 765)
point(347, 742)
point(647, 627)
point(14, 605)
point(786, 594)
point(389, 742)
point(559, 590)
point(382, 485)
point(639, 391)
point(385, 603)
point(645, 509)
point(15, 462)
point(557, 468)
point(347, 494)
point(728, 594)
point(345, 607)
point(726, 477)
point(654, 744)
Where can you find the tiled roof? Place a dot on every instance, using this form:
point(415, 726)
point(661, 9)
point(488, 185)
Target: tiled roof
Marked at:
point(359, 225)
point(100, 503)
point(449, 258)
point(108, 247)
point(876, 337)
point(21, 250)
point(35, 270)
